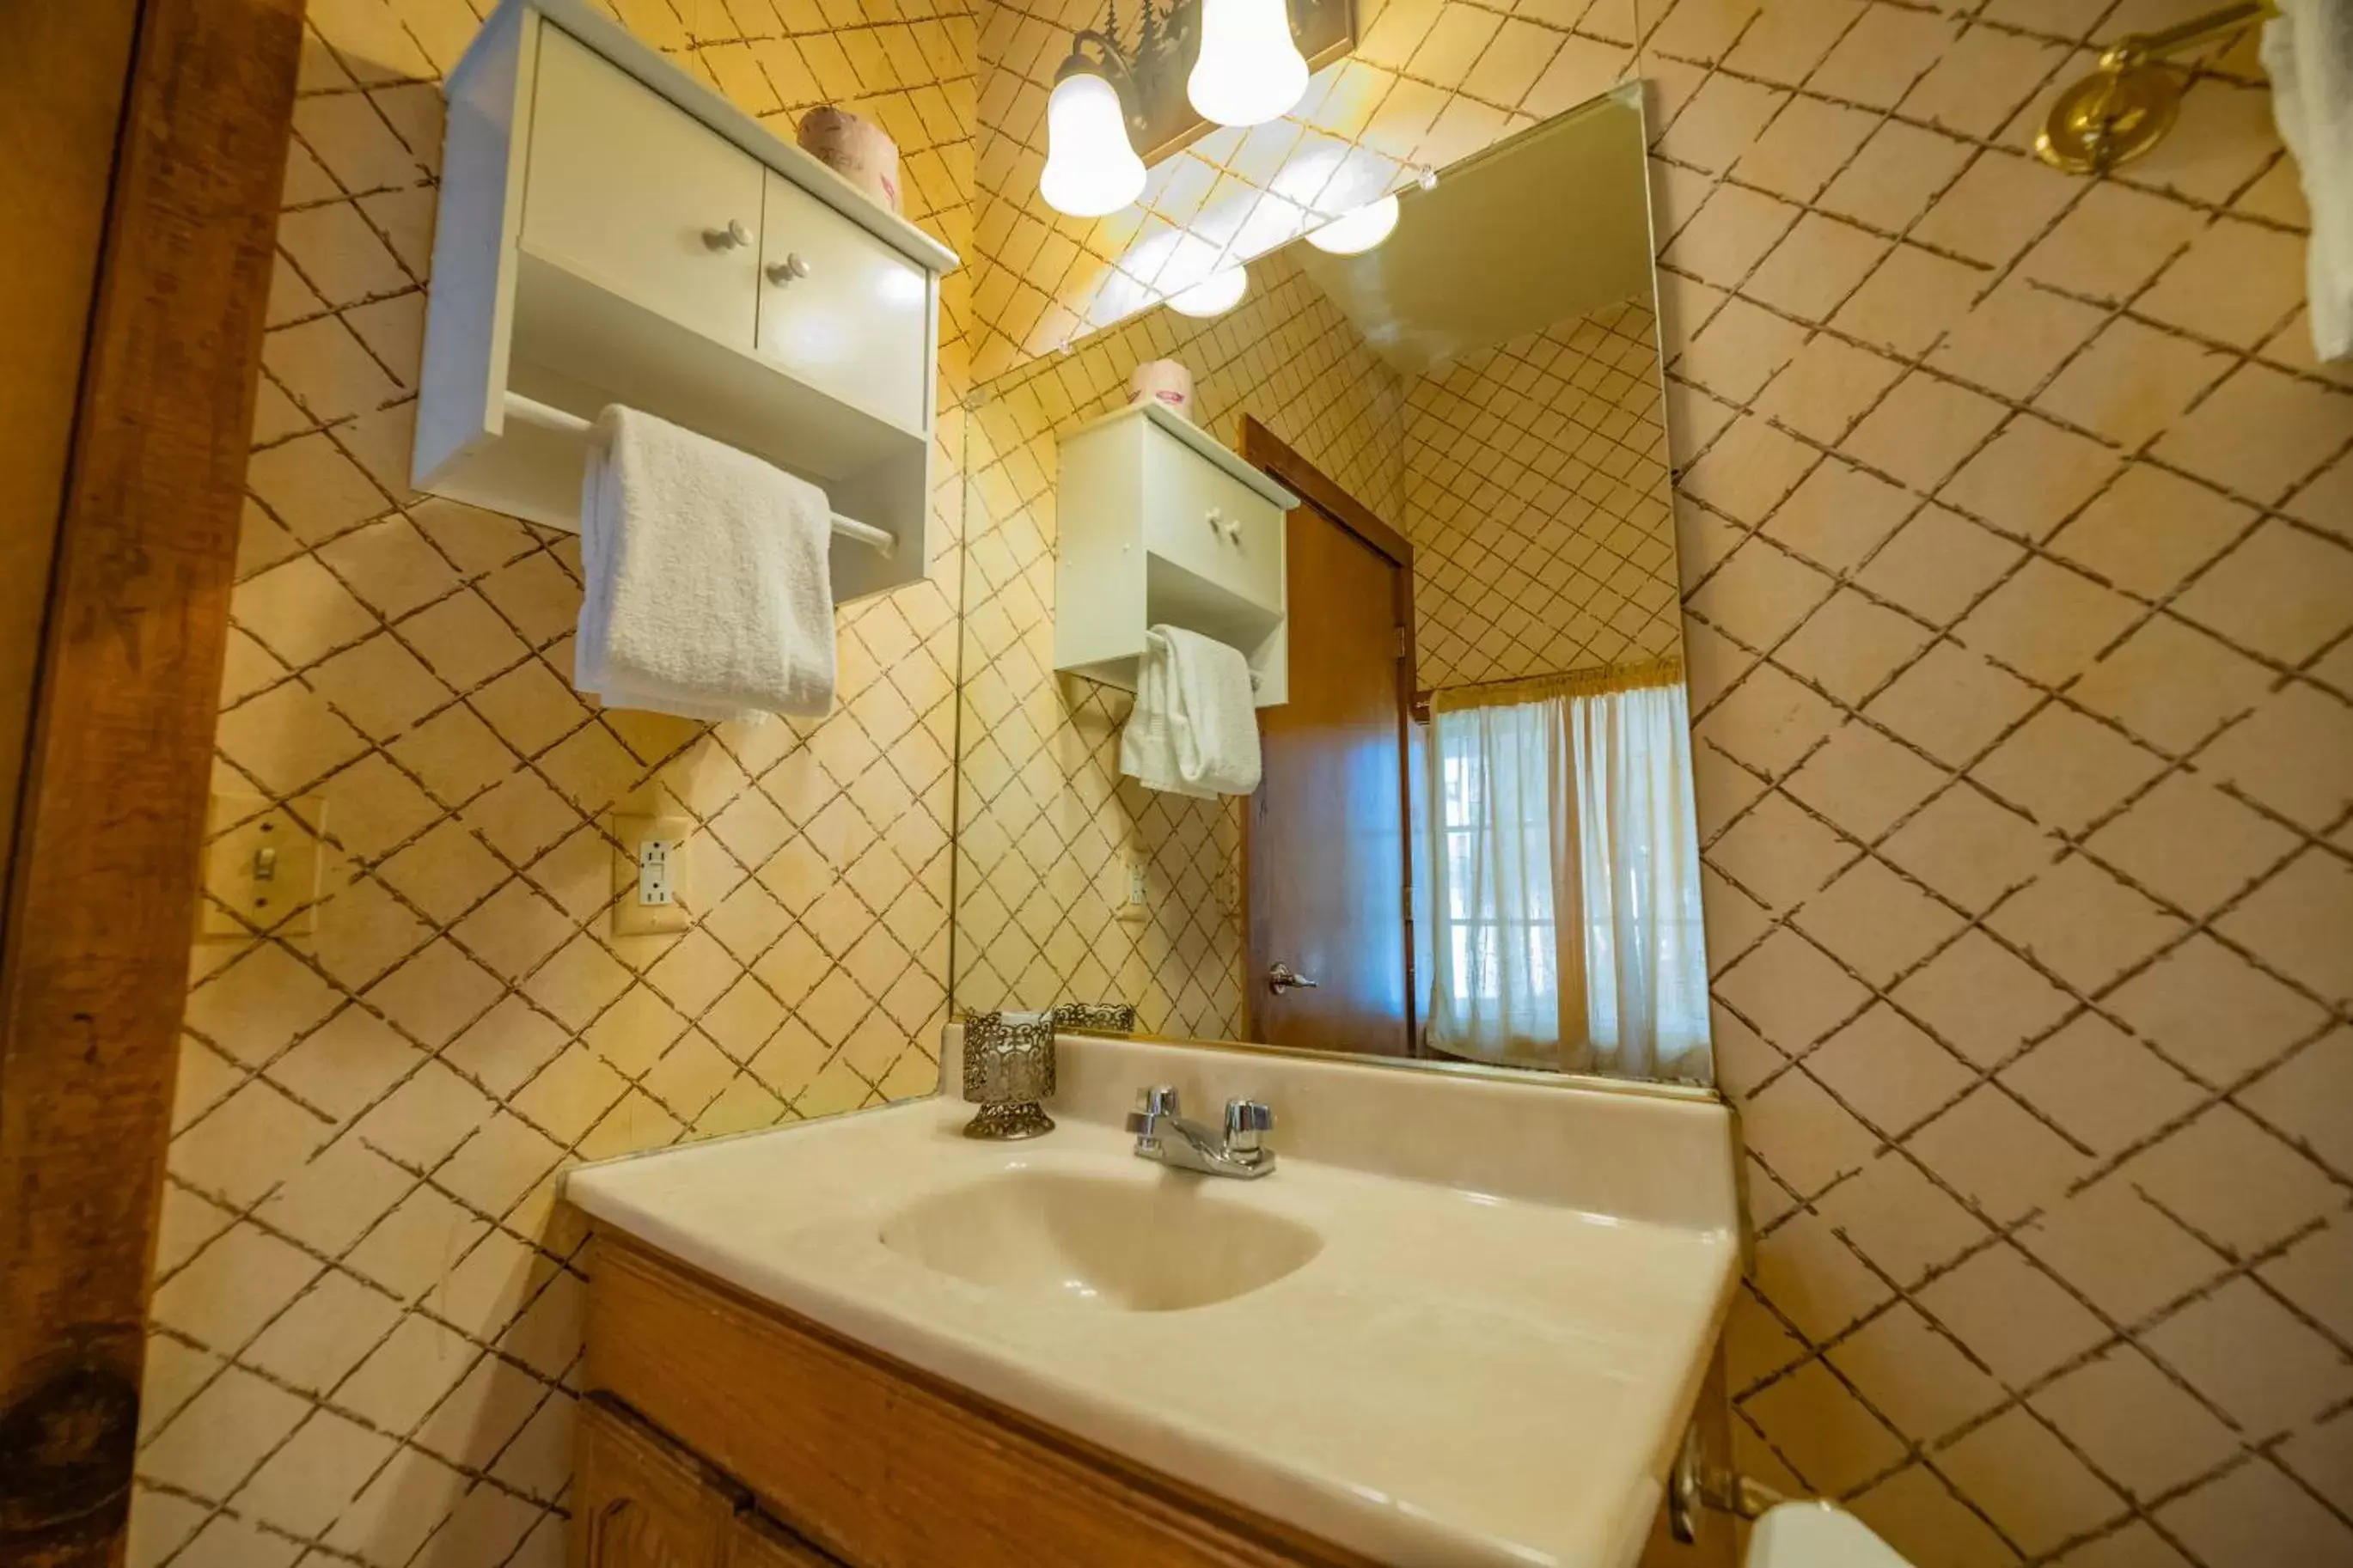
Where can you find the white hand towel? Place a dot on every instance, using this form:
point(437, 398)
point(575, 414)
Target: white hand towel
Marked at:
point(2307, 49)
point(709, 593)
point(1193, 710)
point(1147, 745)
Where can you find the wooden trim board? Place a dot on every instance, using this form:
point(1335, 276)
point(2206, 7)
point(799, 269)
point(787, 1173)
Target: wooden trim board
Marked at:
point(103, 886)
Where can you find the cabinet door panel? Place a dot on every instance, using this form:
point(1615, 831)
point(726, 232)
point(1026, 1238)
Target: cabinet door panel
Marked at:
point(624, 186)
point(841, 309)
point(640, 1503)
point(1210, 523)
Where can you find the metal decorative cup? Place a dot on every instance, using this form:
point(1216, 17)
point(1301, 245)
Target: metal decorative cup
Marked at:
point(1096, 1017)
point(1008, 1068)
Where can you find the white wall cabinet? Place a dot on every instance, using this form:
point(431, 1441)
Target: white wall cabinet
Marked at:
point(613, 231)
point(1158, 524)
point(841, 309)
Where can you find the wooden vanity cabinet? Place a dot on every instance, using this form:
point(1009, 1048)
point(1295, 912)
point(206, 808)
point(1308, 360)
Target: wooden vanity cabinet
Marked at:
point(854, 1458)
point(724, 1432)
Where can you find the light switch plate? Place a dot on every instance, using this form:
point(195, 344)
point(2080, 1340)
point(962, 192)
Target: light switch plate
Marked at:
point(266, 867)
point(631, 915)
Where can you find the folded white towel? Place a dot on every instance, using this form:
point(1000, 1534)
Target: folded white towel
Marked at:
point(1194, 730)
point(709, 593)
point(2307, 49)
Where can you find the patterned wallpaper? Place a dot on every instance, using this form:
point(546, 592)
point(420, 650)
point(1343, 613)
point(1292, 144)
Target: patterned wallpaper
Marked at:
point(2018, 543)
point(1046, 823)
point(367, 1303)
point(1538, 504)
point(2020, 619)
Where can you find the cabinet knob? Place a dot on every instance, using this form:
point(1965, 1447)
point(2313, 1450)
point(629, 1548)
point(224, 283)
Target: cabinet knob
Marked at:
point(734, 236)
point(795, 265)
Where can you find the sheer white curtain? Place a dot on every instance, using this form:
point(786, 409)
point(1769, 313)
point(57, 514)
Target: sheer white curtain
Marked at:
point(1566, 862)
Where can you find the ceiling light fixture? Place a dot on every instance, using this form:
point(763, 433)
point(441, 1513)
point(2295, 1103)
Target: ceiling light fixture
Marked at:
point(1354, 233)
point(1092, 169)
point(1248, 71)
point(1213, 295)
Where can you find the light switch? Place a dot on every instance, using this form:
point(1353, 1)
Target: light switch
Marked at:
point(649, 875)
point(262, 863)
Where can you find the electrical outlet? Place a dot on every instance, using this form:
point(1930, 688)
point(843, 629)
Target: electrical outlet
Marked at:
point(649, 876)
point(653, 872)
point(1230, 889)
point(1133, 900)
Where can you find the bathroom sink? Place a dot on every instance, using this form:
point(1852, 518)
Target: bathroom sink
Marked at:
point(1139, 1247)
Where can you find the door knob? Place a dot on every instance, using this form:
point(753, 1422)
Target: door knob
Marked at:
point(1282, 977)
point(734, 236)
point(793, 265)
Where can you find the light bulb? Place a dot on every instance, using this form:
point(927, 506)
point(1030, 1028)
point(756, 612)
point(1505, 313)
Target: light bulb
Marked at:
point(1248, 70)
point(1213, 295)
point(1354, 232)
point(1089, 170)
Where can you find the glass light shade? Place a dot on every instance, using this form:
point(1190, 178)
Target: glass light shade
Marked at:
point(1213, 295)
point(1248, 70)
point(1091, 169)
point(1354, 232)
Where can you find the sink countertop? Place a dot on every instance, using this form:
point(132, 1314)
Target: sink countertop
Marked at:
point(1465, 1373)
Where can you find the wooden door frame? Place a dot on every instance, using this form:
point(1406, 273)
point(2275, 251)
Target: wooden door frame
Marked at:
point(1270, 454)
point(102, 879)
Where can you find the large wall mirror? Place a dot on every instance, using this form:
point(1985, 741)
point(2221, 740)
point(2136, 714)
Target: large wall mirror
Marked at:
point(1473, 838)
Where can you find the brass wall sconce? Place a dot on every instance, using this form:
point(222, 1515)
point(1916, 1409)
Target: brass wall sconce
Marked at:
point(2126, 107)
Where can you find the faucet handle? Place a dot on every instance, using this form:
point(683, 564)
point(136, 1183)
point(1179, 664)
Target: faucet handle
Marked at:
point(1246, 1120)
point(1151, 1105)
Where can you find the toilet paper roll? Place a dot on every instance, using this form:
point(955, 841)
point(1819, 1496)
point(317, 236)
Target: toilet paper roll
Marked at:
point(855, 148)
point(1165, 382)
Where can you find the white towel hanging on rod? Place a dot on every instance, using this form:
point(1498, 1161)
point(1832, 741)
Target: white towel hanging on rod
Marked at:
point(531, 411)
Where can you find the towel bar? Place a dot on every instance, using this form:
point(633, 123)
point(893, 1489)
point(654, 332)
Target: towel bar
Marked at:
point(531, 411)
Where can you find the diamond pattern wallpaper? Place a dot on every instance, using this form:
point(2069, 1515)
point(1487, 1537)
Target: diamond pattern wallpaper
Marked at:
point(2016, 526)
point(2015, 538)
point(367, 1305)
point(1538, 503)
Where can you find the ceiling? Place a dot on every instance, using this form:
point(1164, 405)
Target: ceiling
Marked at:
point(1548, 224)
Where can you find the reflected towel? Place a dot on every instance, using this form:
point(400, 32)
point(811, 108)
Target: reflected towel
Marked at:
point(1194, 730)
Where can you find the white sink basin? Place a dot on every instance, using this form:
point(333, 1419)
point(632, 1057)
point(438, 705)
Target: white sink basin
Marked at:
point(1156, 1246)
point(1466, 1318)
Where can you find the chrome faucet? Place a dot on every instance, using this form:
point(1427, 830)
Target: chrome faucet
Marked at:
point(1163, 1135)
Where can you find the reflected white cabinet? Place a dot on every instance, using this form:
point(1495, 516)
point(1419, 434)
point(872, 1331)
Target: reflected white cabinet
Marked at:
point(613, 231)
point(1158, 524)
